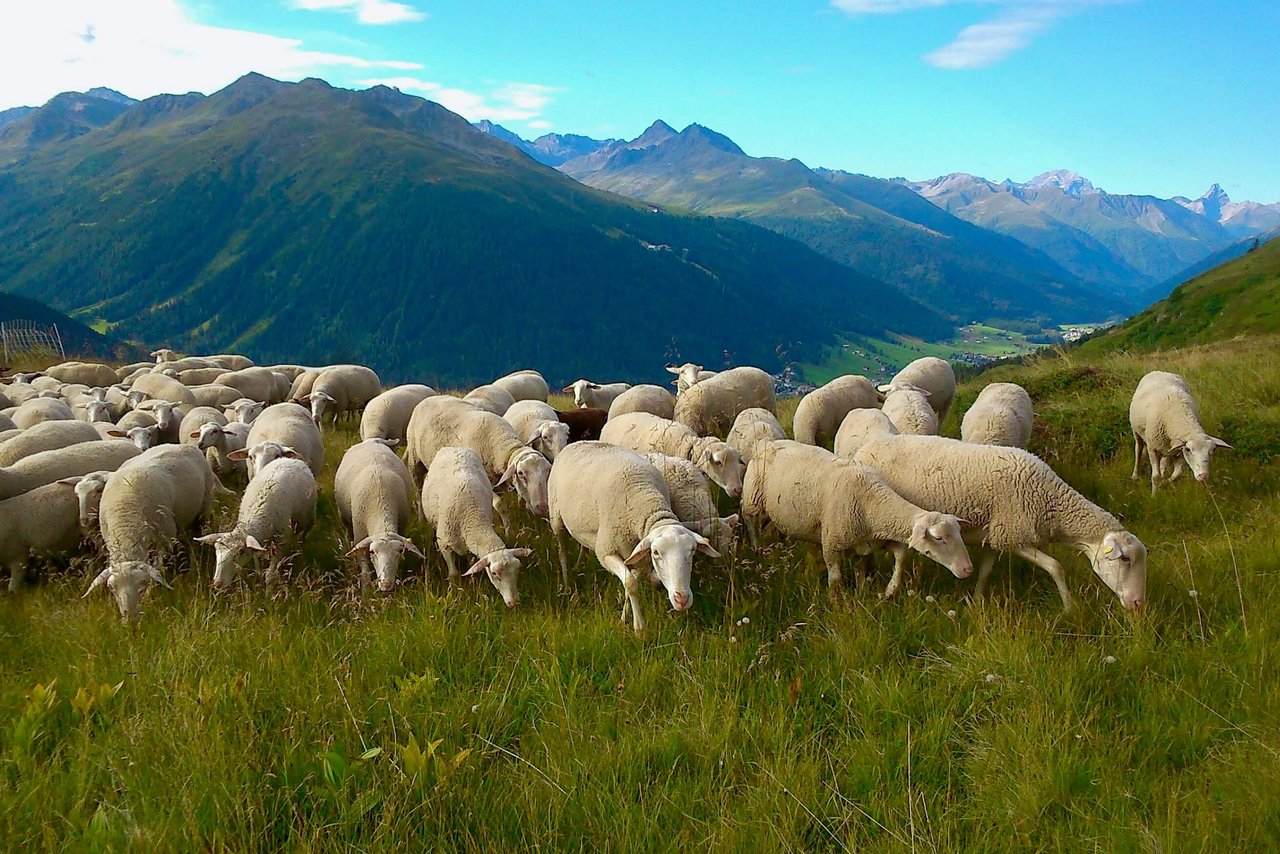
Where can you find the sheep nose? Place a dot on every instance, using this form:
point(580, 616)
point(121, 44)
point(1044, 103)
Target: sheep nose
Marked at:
point(386, 586)
point(512, 602)
point(1200, 477)
point(541, 509)
point(964, 571)
point(1134, 603)
point(681, 600)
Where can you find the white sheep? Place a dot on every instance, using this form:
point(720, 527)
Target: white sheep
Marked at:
point(89, 373)
point(1015, 503)
point(710, 407)
point(387, 415)
point(457, 504)
point(524, 385)
point(214, 395)
point(809, 493)
point(46, 436)
point(244, 410)
point(161, 387)
point(189, 427)
point(300, 388)
point(858, 428)
point(645, 433)
point(691, 500)
point(284, 429)
point(821, 411)
point(539, 426)
point(1165, 419)
point(71, 461)
point(231, 361)
point(653, 399)
point(342, 389)
point(491, 398)
point(41, 409)
point(374, 494)
point(687, 375)
point(144, 506)
point(42, 523)
point(908, 408)
point(278, 509)
point(591, 395)
point(615, 503)
point(752, 428)
point(200, 376)
point(1002, 415)
point(932, 375)
point(220, 442)
point(260, 384)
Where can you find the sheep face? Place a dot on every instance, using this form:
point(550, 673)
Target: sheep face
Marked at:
point(687, 375)
point(1198, 452)
point(937, 537)
point(89, 497)
point(164, 355)
point(210, 435)
point(385, 552)
point(319, 405)
point(1120, 560)
point(228, 547)
point(722, 463)
point(503, 568)
point(529, 471)
point(670, 549)
point(127, 582)
point(581, 391)
point(550, 438)
point(98, 410)
point(720, 532)
point(261, 454)
point(244, 411)
point(143, 437)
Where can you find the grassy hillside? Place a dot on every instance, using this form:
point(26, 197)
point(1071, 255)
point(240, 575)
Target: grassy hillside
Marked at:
point(77, 338)
point(769, 718)
point(1241, 297)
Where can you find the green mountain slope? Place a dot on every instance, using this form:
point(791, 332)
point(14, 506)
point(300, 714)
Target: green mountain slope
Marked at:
point(1241, 297)
point(77, 339)
point(874, 226)
point(305, 223)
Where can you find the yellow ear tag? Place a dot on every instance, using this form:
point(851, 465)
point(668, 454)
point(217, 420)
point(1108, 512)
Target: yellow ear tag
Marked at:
point(1110, 550)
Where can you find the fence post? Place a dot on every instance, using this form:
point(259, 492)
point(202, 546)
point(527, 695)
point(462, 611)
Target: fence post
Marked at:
point(58, 337)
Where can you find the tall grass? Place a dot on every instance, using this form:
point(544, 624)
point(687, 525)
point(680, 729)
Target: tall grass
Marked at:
point(768, 718)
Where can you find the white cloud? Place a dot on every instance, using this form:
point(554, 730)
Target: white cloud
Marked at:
point(1016, 24)
point(366, 11)
point(540, 124)
point(145, 47)
point(505, 103)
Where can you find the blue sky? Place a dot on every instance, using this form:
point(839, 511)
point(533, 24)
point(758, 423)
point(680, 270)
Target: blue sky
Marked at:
point(1151, 96)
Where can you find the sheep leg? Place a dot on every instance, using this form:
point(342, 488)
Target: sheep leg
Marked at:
point(899, 570)
point(1137, 454)
point(632, 583)
point(1051, 566)
point(984, 574)
point(1154, 458)
point(562, 548)
point(500, 507)
point(835, 578)
point(451, 561)
point(17, 575)
point(1178, 468)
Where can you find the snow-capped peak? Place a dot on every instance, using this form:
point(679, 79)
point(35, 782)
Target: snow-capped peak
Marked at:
point(1071, 183)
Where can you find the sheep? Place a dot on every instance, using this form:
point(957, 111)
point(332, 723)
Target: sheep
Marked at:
point(932, 375)
point(94, 410)
point(89, 373)
point(49, 384)
point(302, 383)
point(88, 490)
point(387, 415)
point(457, 504)
point(374, 493)
point(41, 409)
point(244, 410)
point(285, 429)
point(289, 372)
point(189, 428)
point(687, 375)
point(214, 395)
point(220, 442)
point(614, 502)
point(164, 354)
point(859, 427)
point(644, 433)
point(278, 509)
point(442, 421)
point(20, 394)
point(691, 500)
point(6, 423)
point(1015, 503)
point(752, 428)
point(342, 388)
point(584, 424)
point(1002, 415)
point(537, 424)
point(144, 506)
point(653, 399)
point(200, 376)
point(710, 407)
point(257, 384)
point(809, 493)
point(595, 395)
point(1165, 419)
point(46, 436)
point(161, 387)
point(131, 370)
point(818, 417)
point(491, 398)
point(232, 361)
point(71, 461)
point(42, 523)
point(524, 385)
point(168, 418)
point(909, 410)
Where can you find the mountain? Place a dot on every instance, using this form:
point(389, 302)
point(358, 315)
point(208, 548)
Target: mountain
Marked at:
point(1124, 243)
point(77, 339)
point(1240, 297)
point(303, 223)
point(550, 149)
point(873, 226)
point(1222, 256)
point(64, 117)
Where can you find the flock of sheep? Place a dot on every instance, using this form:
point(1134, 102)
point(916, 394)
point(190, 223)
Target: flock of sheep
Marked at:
point(634, 475)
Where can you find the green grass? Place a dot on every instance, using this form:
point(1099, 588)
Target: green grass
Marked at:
point(434, 718)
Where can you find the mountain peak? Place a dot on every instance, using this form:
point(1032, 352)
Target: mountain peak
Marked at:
point(111, 95)
point(1071, 183)
point(715, 140)
point(1216, 194)
point(656, 134)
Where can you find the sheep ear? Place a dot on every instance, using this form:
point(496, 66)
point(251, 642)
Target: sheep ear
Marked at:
point(100, 580)
point(567, 390)
point(195, 435)
point(241, 454)
point(1178, 448)
point(119, 434)
point(521, 553)
point(479, 566)
point(360, 546)
point(208, 538)
point(69, 481)
point(251, 542)
point(154, 575)
point(505, 480)
point(290, 453)
point(731, 520)
point(640, 552)
point(672, 369)
point(411, 548)
point(1218, 443)
point(704, 546)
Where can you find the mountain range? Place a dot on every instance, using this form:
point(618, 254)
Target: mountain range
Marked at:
point(304, 223)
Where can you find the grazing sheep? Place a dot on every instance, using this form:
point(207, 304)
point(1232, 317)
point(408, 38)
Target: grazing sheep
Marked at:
point(284, 429)
point(41, 409)
point(214, 395)
point(300, 388)
point(244, 410)
point(189, 428)
point(524, 385)
point(260, 384)
point(595, 395)
point(89, 373)
point(908, 408)
point(653, 399)
point(688, 375)
point(387, 415)
point(859, 427)
point(72, 461)
point(42, 523)
point(278, 509)
point(46, 436)
point(810, 494)
point(584, 424)
point(88, 490)
point(1016, 503)
point(374, 493)
point(538, 425)
point(168, 418)
point(691, 500)
point(752, 428)
point(491, 398)
point(710, 407)
point(932, 375)
point(342, 389)
point(1165, 419)
point(614, 502)
point(220, 442)
point(161, 387)
point(200, 376)
point(1002, 415)
point(457, 504)
point(144, 506)
point(645, 433)
point(821, 411)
